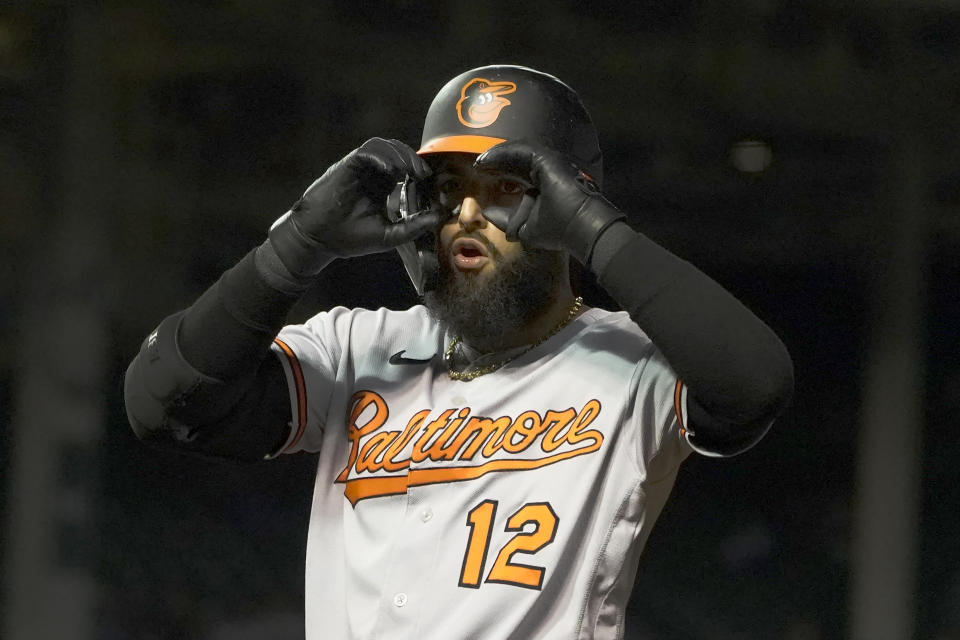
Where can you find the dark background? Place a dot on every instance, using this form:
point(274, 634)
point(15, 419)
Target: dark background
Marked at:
point(146, 146)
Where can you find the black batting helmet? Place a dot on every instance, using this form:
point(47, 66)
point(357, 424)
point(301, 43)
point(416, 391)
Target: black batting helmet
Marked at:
point(489, 105)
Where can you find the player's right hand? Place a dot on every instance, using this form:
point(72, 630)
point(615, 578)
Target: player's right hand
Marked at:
point(343, 213)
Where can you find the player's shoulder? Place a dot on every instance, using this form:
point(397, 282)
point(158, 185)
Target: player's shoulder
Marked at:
point(363, 317)
point(381, 324)
point(603, 321)
point(601, 330)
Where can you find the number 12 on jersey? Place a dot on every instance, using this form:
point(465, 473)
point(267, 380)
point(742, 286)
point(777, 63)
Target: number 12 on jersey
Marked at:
point(481, 519)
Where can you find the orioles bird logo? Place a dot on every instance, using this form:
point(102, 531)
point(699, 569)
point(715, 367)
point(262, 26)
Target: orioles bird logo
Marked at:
point(481, 101)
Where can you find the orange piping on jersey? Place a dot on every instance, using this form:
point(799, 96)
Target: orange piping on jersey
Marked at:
point(301, 389)
point(678, 405)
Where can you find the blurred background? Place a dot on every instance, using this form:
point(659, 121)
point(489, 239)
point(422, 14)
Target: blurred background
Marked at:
point(803, 153)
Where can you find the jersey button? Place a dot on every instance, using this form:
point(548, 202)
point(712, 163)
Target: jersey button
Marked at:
point(426, 514)
point(400, 599)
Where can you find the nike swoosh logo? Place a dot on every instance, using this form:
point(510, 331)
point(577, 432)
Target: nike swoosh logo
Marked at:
point(398, 358)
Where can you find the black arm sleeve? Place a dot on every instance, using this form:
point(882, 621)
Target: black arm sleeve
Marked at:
point(204, 381)
point(738, 373)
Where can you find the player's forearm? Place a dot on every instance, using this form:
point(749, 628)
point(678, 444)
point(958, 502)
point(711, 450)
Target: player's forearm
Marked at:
point(733, 364)
point(228, 330)
point(342, 214)
point(201, 365)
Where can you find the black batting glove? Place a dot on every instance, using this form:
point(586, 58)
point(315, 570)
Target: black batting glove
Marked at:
point(343, 213)
point(562, 208)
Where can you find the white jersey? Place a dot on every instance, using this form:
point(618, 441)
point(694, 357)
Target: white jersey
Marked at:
point(514, 505)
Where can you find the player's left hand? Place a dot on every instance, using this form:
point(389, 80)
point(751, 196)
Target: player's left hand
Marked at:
point(563, 209)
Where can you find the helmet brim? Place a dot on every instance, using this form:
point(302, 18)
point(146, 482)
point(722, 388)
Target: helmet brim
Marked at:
point(459, 144)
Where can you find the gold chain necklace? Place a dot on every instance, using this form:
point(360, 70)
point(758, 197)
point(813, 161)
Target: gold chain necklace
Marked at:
point(466, 376)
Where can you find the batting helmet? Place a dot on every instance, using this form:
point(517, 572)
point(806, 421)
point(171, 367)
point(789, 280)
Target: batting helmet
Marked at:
point(489, 105)
point(484, 107)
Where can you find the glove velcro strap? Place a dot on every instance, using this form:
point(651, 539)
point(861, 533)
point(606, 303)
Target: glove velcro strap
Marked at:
point(593, 217)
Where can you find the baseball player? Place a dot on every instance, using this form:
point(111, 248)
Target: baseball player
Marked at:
point(490, 462)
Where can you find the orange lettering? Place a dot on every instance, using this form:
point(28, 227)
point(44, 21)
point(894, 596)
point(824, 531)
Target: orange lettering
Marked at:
point(556, 420)
point(371, 455)
point(587, 415)
point(528, 426)
point(419, 447)
point(399, 444)
point(458, 438)
point(441, 447)
point(359, 403)
point(478, 431)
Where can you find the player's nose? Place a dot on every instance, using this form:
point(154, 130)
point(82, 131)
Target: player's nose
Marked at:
point(471, 214)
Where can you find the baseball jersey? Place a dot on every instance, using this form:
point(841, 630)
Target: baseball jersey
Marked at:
point(514, 505)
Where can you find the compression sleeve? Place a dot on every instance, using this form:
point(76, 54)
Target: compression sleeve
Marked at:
point(738, 373)
point(228, 330)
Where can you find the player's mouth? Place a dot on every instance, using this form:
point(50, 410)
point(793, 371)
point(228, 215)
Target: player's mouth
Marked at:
point(469, 254)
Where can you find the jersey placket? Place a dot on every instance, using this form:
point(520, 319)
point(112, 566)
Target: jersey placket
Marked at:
point(416, 543)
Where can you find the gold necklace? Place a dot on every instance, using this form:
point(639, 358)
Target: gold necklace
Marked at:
point(466, 376)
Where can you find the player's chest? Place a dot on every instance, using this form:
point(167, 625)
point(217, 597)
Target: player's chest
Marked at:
point(434, 430)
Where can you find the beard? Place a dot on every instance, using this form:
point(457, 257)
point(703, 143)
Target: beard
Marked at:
point(486, 311)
